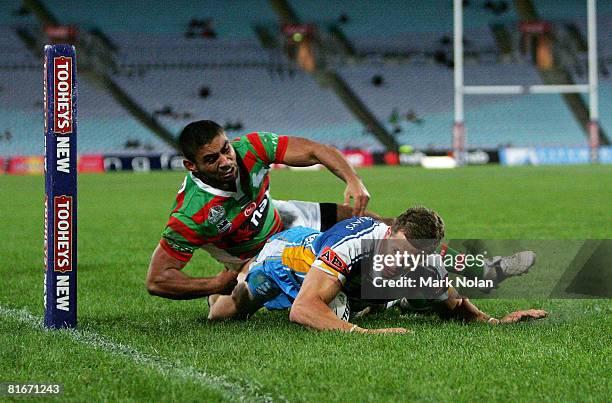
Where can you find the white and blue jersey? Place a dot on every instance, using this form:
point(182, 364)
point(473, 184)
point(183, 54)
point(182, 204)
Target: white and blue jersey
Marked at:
point(275, 277)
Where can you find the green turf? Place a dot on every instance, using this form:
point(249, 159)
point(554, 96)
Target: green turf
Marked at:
point(565, 357)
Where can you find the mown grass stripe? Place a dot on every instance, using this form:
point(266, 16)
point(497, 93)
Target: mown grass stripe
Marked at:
point(232, 390)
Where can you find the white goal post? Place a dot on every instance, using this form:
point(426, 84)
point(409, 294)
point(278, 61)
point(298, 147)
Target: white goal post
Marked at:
point(459, 132)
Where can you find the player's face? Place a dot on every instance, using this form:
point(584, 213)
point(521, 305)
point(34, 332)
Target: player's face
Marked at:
point(394, 244)
point(215, 162)
point(397, 242)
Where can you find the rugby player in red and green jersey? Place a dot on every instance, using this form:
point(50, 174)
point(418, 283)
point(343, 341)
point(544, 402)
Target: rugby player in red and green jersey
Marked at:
point(224, 205)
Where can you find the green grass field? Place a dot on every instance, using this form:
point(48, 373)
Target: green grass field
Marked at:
point(130, 346)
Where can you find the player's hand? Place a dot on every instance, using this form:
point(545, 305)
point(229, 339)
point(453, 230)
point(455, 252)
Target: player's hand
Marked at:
point(357, 191)
point(399, 330)
point(524, 315)
point(226, 281)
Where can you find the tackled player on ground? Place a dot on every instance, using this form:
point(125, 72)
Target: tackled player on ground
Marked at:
point(224, 207)
point(304, 270)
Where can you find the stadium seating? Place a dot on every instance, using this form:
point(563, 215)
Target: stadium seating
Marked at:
point(103, 125)
point(10, 13)
point(172, 49)
point(571, 10)
point(604, 33)
point(230, 19)
point(15, 54)
point(575, 11)
point(605, 105)
point(162, 68)
point(367, 19)
point(491, 120)
point(258, 98)
point(395, 26)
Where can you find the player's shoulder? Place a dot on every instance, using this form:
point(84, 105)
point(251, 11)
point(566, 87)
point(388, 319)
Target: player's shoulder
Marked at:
point(349, 234)
point(252, 139)
point(355, 227)
point(192, 197)
point(255, 141)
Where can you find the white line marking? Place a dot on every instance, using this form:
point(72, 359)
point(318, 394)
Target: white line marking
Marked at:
point(230, 389)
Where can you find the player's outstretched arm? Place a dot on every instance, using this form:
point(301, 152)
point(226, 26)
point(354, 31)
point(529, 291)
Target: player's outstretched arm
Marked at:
point(304, 152)
point(458, 308)
point(311, 309)
point(166, 280)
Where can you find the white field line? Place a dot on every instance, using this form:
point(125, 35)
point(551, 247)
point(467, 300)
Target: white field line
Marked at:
point(232, 390)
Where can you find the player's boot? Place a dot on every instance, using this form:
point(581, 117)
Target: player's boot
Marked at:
point(500, 268)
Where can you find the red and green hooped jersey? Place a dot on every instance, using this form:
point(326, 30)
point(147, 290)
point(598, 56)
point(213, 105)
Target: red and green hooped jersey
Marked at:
point(232, 226)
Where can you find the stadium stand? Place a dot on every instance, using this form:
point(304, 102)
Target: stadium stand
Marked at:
point(375, 28)
point(103, 125)
point(15, 54)
point(258, 98)
point(492, 120)
point(605, 103)
point(572, 9)
point(145, 49)
point(230, 19)
point(166, 62)
point(367, 19)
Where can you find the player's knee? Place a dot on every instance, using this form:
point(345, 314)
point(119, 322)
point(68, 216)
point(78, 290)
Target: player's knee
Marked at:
point(238, 305)
point(222, 308)
point(296, 312)
point(212, 299)
point(213, 315)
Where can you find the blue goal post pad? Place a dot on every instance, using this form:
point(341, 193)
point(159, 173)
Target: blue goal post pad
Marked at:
point(60, 237)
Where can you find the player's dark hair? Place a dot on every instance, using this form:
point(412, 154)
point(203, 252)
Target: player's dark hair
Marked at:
point(423, 227)
point(197, 134)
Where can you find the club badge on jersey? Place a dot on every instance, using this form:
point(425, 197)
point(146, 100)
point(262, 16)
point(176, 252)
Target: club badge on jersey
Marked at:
point(218, 218)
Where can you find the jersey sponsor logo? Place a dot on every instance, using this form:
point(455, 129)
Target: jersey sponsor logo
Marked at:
point(249, 229)
point(249, 209)
point(62, 233)
point(217, 217)
point(259, 213)
point(354, 224)
point(334, 261)
point(62, 95)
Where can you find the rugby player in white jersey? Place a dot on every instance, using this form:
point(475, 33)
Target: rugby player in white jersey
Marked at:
point(304, 270)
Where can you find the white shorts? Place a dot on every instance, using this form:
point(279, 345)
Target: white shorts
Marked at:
point(295, 213)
